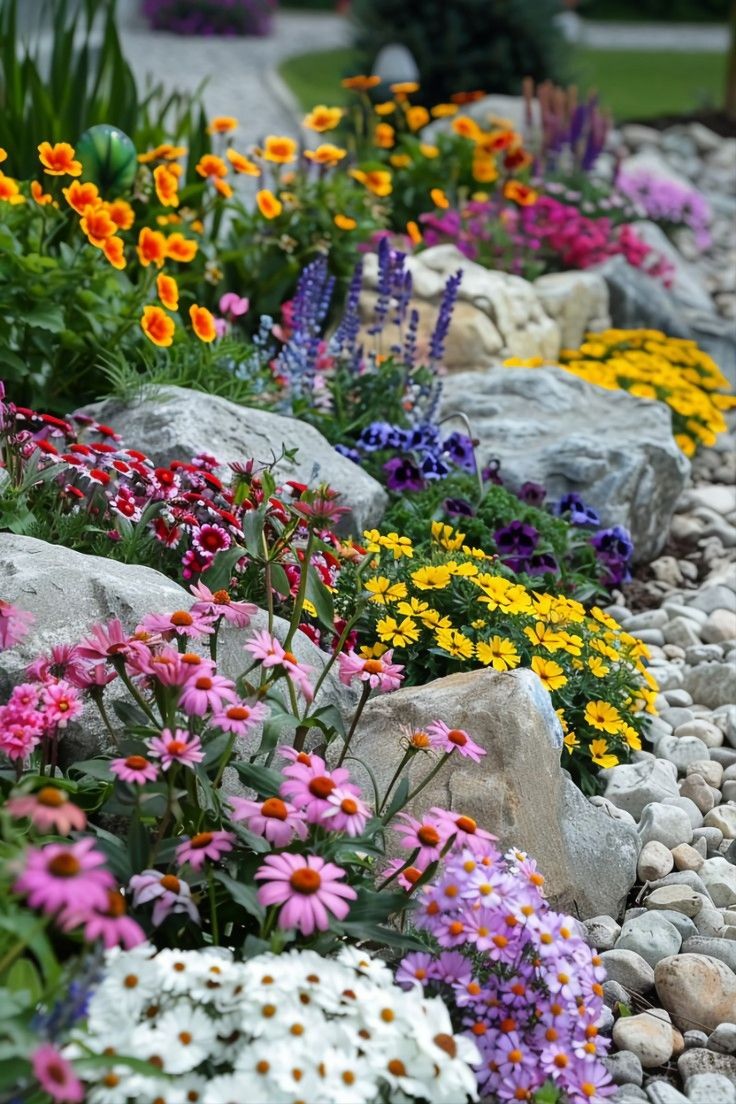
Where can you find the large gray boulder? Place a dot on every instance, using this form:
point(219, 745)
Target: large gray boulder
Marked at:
point(577, 301)
point(637, 300)
point(546, 425)
point(176, 423)
point(518, 791)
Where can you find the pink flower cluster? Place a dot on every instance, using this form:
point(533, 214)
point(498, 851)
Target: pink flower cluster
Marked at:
point(35, 712)
point(521, 978)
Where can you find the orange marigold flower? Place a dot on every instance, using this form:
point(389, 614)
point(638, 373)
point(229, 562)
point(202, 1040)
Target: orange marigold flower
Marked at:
point(10, 191)
point(157, 326)
point(97, 224)
point(517, 159)
point(280, 149)
point(415, 234)
point(166, 183)
point(168, 291)
point(384, 136)
point(269, 206)
point(58, 160)
point(121, 213)
point(222, 187)
point(152, 247)
point(498, 140)
point(222, 124)
point(210, 165)
point(242, 164)
point(439, 198)
point(377, 181)
point(404, 88)
point(386, 108)
point(467, 97)
point(41, 197)
point(165, 152)
point(430, 152)
point(80, 196)
point(520, 193)
point(344, 222)
point(466, 127)
point(203, 323)
point(444, 110)
point(113, 250)
point(3, 155)
point(360, 83)
point(322, 118)
point(179, 248)
point(326, 154)
point(484, 169)
point(400, 160)
point(417, 117)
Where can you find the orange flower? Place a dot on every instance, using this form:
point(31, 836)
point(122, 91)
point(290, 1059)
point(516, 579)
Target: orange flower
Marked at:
point(444, 110)
point(384, 136)
point(58, 160)
point(520, 193)
point(417, 117)
point(360, 83)
point(165, 152)
point(41, 197)
point(400, 160)
point(498, 140)
point(222, 124)
point(203, 323)
point(113, 250)
point(222, 187)
point(97, 224)
point(179, 248)
point(3, 155)
point(466, 127)
point(121, 214)
point(415, 234)
point(269, 206)
point(439, 198)
point(157, 326)
point(377, 181)
point(241, 164)
point(430, 152)
point(517, 159)
point(322, 118)
point(211, 166)
point(168, 291)
point(344, 222)
point(152, 247)
point(484, 169)
point(167, 184)
point(386, 108)
point(467, 97)
point(404, 88)
point(326, 154)
point(81, 196)
point(279, 149)
point(9, 190)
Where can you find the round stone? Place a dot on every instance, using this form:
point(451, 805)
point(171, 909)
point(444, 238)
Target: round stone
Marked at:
point(655, 861)
point(648, 1036)
point(698, 991)
point(651, 936)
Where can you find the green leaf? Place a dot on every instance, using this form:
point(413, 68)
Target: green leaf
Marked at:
point(45, 316)
point(244, 895)
point(379, 934)
point(320, 597)
point(23, 977)
point(266, 782)
point(398, 801)
point(129, 713)
point(373, 907)
point(95, 768)
point(218, 576)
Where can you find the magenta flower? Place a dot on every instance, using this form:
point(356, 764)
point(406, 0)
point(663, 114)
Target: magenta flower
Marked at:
point(61, 702)
point(204, 692)
point(59, 876)
point(379, 672)
point(50, 810)
point(240, 717)
point(274, 819)
point(454, 739)
point(233, 306)
point(211, 539)
point(56, 1076)
point(14, 624)
point(203, 846)
point(168, 666)
point(110, 925)
point(309, 784)
point(220, 604)
point(104, 641)
point(464, 829)
point(135, 769)
point(170, 893)
point(179, 623)
point(62, 662)
point(17, 739)
point(307, 888)
point(176, 747)
point(425, 834)
point(270, 652)
point(347, 813)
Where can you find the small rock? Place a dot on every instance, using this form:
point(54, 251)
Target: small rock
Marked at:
point(719, 877)
point(649, 619)
point(711, 684)
point(648, 1036)
point(665, 824)
point(683, 631)
point(698, 991)
point(601, 932)
point(723, 818)
point(676, 897)
point(729, 791)
point(684, 924)
point(702, 653)
point(680, 751)
point(710, 1088)
point(712, 836)
point(624, 1068)
point(689, 807)
point(630, 970)
point(694, 1062)
point(631, 786)
point(723, 1039)
point(709, 770)
point(678, 698)
point(683, 878)
point(614, 994)
point(695, 1039)
point(709, 733)
point(687, 858)
point(651, 936)
point(676, 715)
point(722, 949)
point(709, 922)
point(697, 789)
point(662, 1092)
point(720, 626)
point(655, 861)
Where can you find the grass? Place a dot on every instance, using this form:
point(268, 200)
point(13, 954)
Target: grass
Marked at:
point(632, 84)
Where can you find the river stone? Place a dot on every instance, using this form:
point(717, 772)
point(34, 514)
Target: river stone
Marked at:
point(655, 861)
point(678, 897)
point(710, 1088)
point(723, 1039)
point(518, 790)
point(636, 300)
point(699, 992)
point(648, 1036)
point(629, 969)
point(722, 949)
point(651, 936)
point(621, 457)
point(178, 423)
point(722, 817)
point(709, 770)
point(687, 286)
point(711, 684)
point(601, 932)
point(687, 857)
point(698, 791)
point(695, 1062)
point(625, 1069)
point(719, 876)
point(666, 824)
point(632, 786)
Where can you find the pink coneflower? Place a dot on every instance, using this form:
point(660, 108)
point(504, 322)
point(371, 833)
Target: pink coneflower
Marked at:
point(274, 819)
point(211, 539)
point(203, 846)
point(322, 507)
point(110, 924)
point(50, 810)
point(61, 703)
point(240, 717)
point(204, 692)
point(104, 641)
point(454, 739)
point(307, 887)
point(309, 784)
point(176, 747)
point(135, 769)
point(14, 624)
point(62, 662)
point(17, 739)
point(170, 893)
point(271, 654)
point(425, 834)
point(379, 672)
point(408, 877)
point(56, 1076)
point(169, 667)
point(464, 829)
point(218, 603)
point(347, 813)
point(59, 876)
point(179, 623)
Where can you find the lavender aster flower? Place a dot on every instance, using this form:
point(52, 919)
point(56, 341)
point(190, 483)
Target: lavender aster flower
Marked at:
point(459, 448)
point(579, 514)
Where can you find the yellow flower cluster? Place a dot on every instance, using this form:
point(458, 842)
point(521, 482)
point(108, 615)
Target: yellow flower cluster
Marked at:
point(653, 366)
point(453, 607)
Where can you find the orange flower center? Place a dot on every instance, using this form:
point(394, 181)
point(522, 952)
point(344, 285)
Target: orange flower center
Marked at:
point(466, 824)
point(181, 618)
point(349, 806)
point(455, 736)
point(222, 598)
point(428, 835)
point(322, 786)
point(202, 839)
point(274, 807)
point(446, 1043)
point(50, 796)
point(305, 880)
point(176, 747)
point(373, 666)
point(64, 865)
point(397, 1067)
point(115, 904)
point(412, 874)
point(237, 712)
point(290, 657)
point(170, 882)
point(136, 762)
point(204, 682)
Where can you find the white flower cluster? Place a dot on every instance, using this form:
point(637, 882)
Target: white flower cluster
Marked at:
point(277, 1029)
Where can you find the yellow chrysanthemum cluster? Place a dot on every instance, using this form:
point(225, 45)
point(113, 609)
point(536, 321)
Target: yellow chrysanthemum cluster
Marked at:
point(653, 366)
point(454, 610)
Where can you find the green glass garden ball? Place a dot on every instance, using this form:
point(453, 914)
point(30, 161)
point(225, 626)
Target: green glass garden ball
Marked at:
point(109, 159)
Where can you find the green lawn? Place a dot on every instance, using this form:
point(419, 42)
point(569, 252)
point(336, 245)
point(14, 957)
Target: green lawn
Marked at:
point(631, 84)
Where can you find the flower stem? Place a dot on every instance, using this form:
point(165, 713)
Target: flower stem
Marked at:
point(354, 724)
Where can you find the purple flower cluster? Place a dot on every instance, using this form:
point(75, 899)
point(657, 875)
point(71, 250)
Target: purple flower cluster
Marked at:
point(424, 454)
point(572, 507)
point(614, 549)
point(211, 17)
point(516, 544)
point(519, 977)
point(668, 202)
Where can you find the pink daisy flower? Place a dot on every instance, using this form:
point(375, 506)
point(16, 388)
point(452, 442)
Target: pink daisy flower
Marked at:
point(274, 819)
point(220, 604)
point(62, 662)
point(270, 652)
point(61, 703)
point(211, 539)
point(425, 834)
point(307, 888)
point(179, 623)
point(379, 672)
point(15, 624)
point(50, 810)
point(169, 667)
point(104, 641)
point(240, 717)
point(17, 739)
point(206, 692)
point(409, 875)
point(110, 925)
point(464, 829)
point(347, 813)
point(176, 747)
point(59, 876)
point(203, 846)
point(309, 784)
point(454, 739)
point(56, 1076)
point(170, 893)
point(135, 769)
